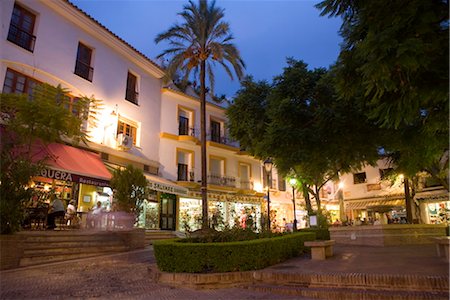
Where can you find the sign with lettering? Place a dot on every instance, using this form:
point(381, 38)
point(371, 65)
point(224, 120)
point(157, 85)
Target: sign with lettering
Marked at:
point(165, 188)
point(66, 176)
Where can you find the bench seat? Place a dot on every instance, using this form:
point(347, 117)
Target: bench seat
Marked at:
point(320, 250)
point(442, 246)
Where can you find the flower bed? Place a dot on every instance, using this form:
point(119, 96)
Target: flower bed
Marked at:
point(175, 256)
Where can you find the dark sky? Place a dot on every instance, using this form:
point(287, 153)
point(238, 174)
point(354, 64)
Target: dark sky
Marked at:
point(266, 32)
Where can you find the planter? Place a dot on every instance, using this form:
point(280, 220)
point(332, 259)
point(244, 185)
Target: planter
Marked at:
point(387, 235)
point(11, 246)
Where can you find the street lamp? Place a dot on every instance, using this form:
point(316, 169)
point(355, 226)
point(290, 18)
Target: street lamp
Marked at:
point(293, 182)
point(268, 166)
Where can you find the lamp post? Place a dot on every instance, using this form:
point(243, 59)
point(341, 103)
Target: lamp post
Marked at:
point(268, 166)
point(342, 215)
point(293, 182)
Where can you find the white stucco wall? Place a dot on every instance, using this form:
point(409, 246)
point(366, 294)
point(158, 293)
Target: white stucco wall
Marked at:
point(53, 61)
point(356, 191)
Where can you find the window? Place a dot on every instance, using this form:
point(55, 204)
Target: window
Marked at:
point(127, 129)
point(281, 183)
point(215, 131)
point(245, 174)
point(18, 83)
point(185, 162)
point(217, 166)
point(183, 126)
point(22, 27)
point(83, 64)
point(182, 172)
point(359, 178)
point(265, 178)
point(186, 121)
point(131, 94)
point(386, 173)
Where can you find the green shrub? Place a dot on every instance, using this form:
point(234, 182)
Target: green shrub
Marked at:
point(321, 233)
point(176, 256)
point(231, 235)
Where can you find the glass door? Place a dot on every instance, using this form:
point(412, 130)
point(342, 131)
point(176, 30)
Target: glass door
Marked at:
point(168, 212)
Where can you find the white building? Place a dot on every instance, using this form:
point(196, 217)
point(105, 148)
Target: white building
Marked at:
point(141, 123)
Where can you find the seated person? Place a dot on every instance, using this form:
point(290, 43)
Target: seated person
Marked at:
point(71, 213)
point(56, 210)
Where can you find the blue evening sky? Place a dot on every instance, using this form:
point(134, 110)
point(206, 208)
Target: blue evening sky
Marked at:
point(266, 32)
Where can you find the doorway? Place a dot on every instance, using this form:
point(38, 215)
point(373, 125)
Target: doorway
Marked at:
point(167, 219)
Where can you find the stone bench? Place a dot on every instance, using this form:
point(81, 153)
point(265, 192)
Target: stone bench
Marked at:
point(442, 246)
point(320, 250)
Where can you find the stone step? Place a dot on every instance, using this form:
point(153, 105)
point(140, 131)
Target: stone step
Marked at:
point(38, 260)
point(68, 238)
point(72, 250)
point(384, 282)
point(151, 236)
point(347, 293)
point(64, 244)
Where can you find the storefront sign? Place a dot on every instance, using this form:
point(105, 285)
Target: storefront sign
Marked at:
point(160, 187)
point(66, 176)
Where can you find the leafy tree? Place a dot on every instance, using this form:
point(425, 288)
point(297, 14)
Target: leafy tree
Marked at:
point(43, 116)
point(201, 41)
point(130, 189)
point(299, 122)
point(394, 62)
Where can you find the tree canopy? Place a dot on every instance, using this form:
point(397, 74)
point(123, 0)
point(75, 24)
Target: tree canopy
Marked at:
point(47, 115)
point(299, 121)
point(394, 62)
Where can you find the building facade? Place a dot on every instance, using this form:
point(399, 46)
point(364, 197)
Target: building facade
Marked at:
point(141, 122)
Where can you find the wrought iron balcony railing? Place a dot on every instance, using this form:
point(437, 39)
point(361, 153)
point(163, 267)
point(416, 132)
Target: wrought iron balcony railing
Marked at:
point(222, 180)
point(21, 38)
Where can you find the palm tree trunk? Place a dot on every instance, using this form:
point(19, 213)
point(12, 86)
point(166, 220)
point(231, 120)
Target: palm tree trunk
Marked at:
point(203, 144)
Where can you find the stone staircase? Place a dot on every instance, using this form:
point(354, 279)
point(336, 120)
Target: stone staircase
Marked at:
point(55, 246)
point(154, 235)
point(352, 286)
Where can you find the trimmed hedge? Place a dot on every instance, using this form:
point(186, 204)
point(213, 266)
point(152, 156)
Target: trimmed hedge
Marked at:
point(321, 233)
point(173, 256)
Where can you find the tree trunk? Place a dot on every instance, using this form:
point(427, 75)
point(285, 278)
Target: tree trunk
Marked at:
point(305, 190)
point(408, 203)
point(203, 144)
point(317, 196)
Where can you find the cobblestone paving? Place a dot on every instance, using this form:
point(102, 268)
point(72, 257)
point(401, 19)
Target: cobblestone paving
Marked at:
point(113, 277)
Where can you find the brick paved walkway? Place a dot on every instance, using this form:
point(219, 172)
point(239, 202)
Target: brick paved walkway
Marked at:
point(126, 275)
point(122, 276)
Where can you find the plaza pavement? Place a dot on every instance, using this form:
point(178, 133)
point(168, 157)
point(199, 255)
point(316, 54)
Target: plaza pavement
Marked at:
point(126, 275)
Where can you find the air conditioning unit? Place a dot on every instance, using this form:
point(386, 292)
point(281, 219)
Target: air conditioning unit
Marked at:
point(124, 141)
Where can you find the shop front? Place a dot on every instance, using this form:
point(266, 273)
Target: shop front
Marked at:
point(71, 174)
point(434, 206)
point(225, 210)
point(159, 211)
point(367, 211)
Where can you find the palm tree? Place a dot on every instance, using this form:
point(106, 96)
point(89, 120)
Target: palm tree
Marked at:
point(201, 41)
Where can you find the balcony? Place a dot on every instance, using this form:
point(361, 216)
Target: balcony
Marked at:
point(224, 140)
point(246, 184)
point(220, 180)
point(21, 38)
point(190, 131)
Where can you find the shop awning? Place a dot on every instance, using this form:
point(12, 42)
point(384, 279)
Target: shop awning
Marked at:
point(373, 203)
point(166, 186)
point(436, 195)
point(72, 164)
